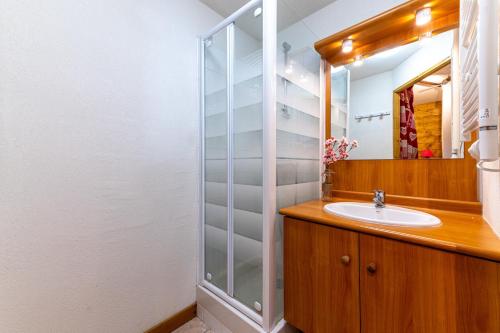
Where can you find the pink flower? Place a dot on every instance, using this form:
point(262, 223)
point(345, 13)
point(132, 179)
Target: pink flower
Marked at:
point(336, 150)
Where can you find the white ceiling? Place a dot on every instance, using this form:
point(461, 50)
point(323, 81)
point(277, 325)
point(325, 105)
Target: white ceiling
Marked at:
point(379, 64)
point(289, 12)
point(427, 94)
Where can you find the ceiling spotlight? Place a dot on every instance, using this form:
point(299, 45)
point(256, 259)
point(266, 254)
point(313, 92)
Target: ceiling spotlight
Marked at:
point(257, 12)
point(423, 16)
point(358, 61)
point(289, 69)
point(347, 45)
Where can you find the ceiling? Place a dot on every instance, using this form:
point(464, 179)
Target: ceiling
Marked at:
point(426, 93)
point(379, 64)
point(387, 61)
point(289, 12)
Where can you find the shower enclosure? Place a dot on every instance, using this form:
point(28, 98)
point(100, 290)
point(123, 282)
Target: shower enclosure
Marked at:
point(260, 151)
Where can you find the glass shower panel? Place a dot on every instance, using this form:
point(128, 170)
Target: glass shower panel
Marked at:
point(247, 159)
point(216, 143)
point(340, 102)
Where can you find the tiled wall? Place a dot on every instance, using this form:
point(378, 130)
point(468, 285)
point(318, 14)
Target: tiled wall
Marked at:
point(297, 146)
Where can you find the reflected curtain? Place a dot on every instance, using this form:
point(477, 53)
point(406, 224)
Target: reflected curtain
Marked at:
point(408, 145)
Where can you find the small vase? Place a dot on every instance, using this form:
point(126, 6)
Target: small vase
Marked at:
point(327, 185)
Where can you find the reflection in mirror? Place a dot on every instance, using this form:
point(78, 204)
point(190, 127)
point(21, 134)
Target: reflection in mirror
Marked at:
point(400, 103)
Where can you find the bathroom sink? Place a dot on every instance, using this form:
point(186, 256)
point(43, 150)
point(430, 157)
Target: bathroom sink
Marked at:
point(389, 215)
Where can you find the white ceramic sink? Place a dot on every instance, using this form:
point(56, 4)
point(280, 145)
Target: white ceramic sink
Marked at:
point(389, 215)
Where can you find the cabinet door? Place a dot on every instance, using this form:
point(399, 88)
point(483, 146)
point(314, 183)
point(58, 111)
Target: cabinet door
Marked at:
point(409, 288)
point(321, 276)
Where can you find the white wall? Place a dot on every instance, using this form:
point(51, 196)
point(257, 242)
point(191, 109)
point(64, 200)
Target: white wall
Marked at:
point(371, 95)
point(98, 163)
point(438, 49)
point(491, 196)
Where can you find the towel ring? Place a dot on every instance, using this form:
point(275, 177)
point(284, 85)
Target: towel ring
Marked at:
point(482, 168)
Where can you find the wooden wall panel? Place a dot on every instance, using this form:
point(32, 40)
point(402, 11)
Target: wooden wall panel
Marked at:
point(451, 179)
point(428, 119)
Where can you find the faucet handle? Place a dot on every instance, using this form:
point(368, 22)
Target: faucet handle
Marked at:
point(379, 198)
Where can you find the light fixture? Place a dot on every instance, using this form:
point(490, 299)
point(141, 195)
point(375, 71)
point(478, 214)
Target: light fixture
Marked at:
point(303, 78)
point(425, 37)
point(358, 61)
point(289, 69)
point(423, 16)
point(257, 12)
point(347, 45)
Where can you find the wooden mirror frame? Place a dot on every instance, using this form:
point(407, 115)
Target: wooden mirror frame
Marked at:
point(390, 29)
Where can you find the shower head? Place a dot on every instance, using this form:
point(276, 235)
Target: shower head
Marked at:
point(286, 47)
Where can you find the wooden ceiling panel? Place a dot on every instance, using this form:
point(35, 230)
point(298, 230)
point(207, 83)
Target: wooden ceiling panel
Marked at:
point(392, 28)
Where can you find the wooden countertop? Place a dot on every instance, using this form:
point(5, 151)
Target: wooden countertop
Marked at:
point(459, 232)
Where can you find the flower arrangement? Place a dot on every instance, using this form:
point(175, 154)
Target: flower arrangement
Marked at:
point(337, 150)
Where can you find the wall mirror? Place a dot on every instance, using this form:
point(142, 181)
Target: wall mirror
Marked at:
point(393, 83)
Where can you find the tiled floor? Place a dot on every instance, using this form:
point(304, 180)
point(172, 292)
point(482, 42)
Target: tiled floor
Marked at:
point(193, 326)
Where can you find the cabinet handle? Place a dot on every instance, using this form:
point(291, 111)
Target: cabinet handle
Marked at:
point(371, 268)
point(345, 260)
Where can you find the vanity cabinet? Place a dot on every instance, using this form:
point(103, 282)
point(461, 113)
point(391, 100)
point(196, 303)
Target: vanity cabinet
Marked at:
point(384, 285)
point(411, 288)
point(321, 277)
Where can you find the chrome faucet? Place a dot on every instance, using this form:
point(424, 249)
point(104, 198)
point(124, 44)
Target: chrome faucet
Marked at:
point(379, 198)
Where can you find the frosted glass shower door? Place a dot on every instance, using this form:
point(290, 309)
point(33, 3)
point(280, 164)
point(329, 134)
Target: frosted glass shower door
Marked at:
point(232, 108)
point(247, 160)
point(215, 97)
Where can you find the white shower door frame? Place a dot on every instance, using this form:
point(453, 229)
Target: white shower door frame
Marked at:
point(269, 9)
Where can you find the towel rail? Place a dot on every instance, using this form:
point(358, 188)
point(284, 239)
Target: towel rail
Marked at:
point(373, 115)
